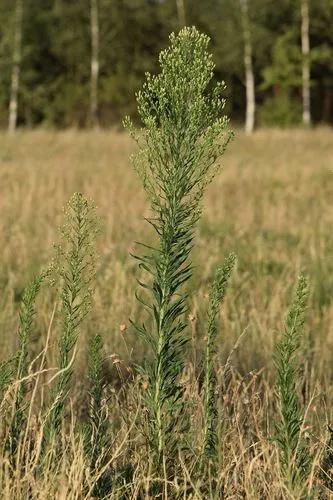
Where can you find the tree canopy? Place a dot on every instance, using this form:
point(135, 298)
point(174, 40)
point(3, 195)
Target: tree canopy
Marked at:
point(55, 59)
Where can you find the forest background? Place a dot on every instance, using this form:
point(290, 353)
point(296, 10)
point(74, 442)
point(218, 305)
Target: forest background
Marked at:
point(66, 63)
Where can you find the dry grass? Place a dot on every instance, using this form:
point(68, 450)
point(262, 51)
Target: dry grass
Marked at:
point(272, 205)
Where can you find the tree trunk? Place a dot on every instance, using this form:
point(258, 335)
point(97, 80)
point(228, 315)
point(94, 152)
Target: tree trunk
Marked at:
point(306, 62)
point(181, 13)
point(248, 66)
point(94, 26)
point(15, 77)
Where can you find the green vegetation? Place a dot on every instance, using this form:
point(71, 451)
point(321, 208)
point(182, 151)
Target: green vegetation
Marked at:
point(96, 431)
point(217, 295)
point(75, 266)
point(180, 415)
point(183, 137)
point(27, 313)
point(295, 457)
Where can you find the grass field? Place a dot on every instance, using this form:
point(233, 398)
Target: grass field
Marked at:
point(271, 205)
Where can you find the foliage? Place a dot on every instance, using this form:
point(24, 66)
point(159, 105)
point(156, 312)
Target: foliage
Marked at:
point(217, 295)
point(27, 313)
point(178, 148)
point(284, 76)
point(294, 455)
point(75, 265)
point(96, 431)
point(6, 375)
point(285, 70)
point(280, 110)
point(55, 72)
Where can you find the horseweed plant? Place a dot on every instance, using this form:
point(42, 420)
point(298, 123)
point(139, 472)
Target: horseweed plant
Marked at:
point(27, 313)
point(294, 456)
point(75, 265)
point(217, 294)
point(96, 431)
point(183, 136)
point(6, 374)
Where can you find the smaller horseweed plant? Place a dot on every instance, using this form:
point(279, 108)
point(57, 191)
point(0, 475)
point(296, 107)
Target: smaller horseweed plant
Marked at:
point(75, 265)
point(217, 294)
point(27, 313)
point(294, 456)
point(96, 430)
point(6, 374)
point(184, 134)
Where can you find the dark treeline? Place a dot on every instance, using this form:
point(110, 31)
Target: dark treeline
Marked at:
point(79, 62)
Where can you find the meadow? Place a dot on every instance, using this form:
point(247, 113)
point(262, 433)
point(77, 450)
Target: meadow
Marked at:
point(271, 205)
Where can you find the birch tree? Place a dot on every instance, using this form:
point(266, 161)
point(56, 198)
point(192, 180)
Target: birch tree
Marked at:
point(305, 62)
point(181, 13)
point(94, 28)
point(15, 75)
point(248, 66)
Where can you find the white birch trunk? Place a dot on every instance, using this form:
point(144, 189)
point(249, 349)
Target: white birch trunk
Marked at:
point(94, 29)
point(306, 62)
point(15, 77)
point(248, 66)
point(181, 13)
